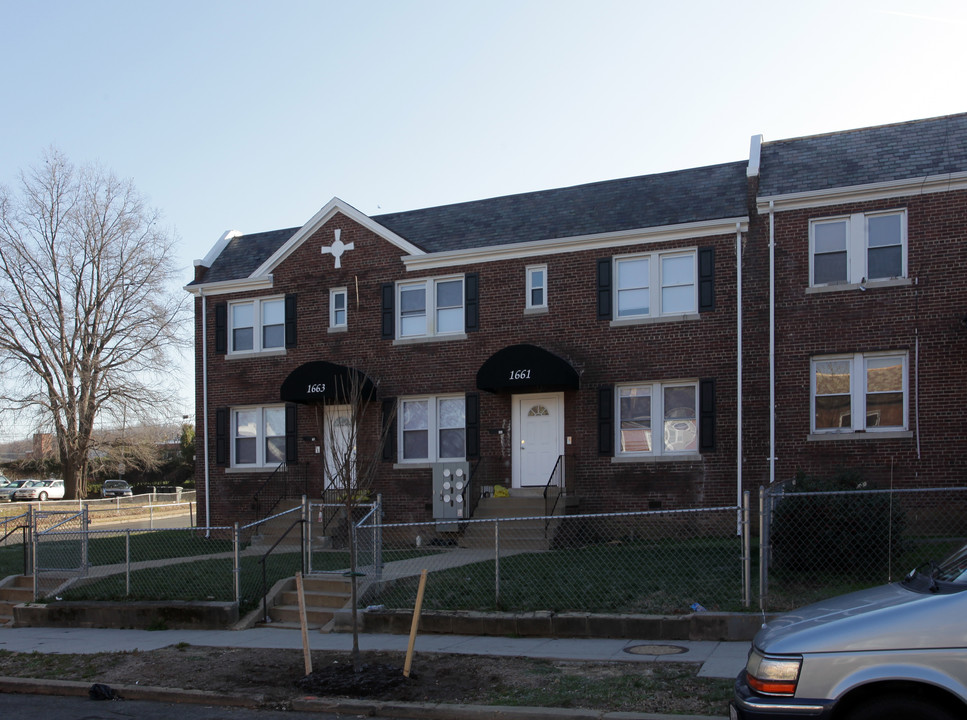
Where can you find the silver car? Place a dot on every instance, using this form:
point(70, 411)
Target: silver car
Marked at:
point(895, 652)
point(7, 491)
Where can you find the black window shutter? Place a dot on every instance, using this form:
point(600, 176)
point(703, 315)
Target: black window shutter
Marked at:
point(604, 289)
point(389, 429)
point(291, 338)
point(221, 328)
point(221, 436)
point(389, 316)
point(291, 433)
point(706, 279)
point(471, 302)
point(706, 415)
point(473, 425)
point(606, 420)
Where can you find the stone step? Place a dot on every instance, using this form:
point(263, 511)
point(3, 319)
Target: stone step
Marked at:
point(315, 617)
point(314, 599)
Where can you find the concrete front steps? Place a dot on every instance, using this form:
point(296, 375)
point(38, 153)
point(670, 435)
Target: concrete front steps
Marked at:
point(325, 595)
point(533, 533)
point(13, 591)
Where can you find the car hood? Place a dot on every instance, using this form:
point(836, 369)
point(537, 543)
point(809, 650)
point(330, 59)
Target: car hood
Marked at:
point(888, 617)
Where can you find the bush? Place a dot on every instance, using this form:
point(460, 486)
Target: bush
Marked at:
point(842, 530)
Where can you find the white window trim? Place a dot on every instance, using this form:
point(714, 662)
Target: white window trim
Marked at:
point(655, 285)
point(260, 462)
point(529, 271)
point(433, 429)
point(256, 326)
point(333, 293)
point(857, 234)
point(429, 285)
point(858, 395)
point(657, 412)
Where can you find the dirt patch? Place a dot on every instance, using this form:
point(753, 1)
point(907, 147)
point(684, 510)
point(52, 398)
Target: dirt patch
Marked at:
point(278, 676)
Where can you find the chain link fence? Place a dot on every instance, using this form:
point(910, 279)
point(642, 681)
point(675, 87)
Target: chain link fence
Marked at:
point(817, 542)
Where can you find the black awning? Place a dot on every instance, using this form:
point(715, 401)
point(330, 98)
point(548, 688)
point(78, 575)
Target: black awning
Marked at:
point(526, 367)
point(324, 381)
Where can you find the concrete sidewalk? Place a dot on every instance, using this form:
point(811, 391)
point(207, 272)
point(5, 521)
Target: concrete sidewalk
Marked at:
point(717, 659)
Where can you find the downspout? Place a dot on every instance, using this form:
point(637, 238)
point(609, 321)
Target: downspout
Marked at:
point(772, 343)
point(738, 369)
point(204, 403)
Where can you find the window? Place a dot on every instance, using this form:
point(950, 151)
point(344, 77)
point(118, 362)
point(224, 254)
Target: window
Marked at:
point(257, 325)
point(431, 307)
point(860, 392)
point(433, 428)
point(857, 248)
point(537, 286)
point(672, 407)
point(655, 284)
point(337, 308)
point(258, 436)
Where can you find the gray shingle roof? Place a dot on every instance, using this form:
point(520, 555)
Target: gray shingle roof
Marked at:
point(243, 255)
point(868, 155)
point(706, 193)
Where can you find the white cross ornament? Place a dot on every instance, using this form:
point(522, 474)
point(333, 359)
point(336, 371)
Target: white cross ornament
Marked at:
point(337, 248)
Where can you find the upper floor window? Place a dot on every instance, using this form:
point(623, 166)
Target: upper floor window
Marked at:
point(258, 436)
point(257, 325)
point(430, 307)
point(536, 286)
point(433, 428)
point(857, 248)
point(670, 409)
point(337, 308)
point(656, 284)
point(859, 392)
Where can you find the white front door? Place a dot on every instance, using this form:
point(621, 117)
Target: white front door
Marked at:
point(340, 459)
point(538, 432)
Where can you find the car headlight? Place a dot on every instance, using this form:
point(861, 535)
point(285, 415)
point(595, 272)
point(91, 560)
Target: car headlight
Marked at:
point(772, 675)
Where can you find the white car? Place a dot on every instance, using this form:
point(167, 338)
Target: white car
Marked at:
point(40, 490)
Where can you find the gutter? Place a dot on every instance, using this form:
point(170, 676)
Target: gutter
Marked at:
point(738, 369)
point(204, 403)
point(772, 342)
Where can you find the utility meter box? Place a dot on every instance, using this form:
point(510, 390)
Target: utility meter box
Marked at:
point(450, 487)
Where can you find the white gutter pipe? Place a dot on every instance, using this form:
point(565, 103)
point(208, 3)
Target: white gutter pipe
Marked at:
point(204, 403)
point(738, 370)
point(772, 342)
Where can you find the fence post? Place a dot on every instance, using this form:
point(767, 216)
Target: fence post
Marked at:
point(237, 569)
point(127, 560)
point(85, 539)
point(378, 538)
point(497, 564)
point(35, 570)
point(303, 535)
point(763, 550)
point(746, 552)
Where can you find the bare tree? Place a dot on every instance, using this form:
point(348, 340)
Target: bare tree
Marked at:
point(352, 441)
point(88, 306)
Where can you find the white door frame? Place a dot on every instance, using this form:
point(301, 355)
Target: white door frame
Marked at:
point(518, 403)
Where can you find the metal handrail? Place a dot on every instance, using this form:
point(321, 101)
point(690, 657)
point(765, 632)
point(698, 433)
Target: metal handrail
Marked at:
point(549, 511)
point(25, 528)
point(474, 488)
point(273, 481)
point(262, 561)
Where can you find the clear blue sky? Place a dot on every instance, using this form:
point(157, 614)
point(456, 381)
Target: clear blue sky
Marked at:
point(252, 115)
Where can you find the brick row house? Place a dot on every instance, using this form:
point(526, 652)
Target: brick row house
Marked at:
point(662, 341)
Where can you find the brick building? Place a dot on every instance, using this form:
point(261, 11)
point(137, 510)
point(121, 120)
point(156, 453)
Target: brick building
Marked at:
point(653, 342)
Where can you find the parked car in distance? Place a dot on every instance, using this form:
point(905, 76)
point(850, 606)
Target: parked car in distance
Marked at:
point(116, 488)
point(40, 490)
point(4, 480)
point(7, 491)
point(894, 652)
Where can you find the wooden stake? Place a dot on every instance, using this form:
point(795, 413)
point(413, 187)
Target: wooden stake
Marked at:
point(307, 655)
point(416, 622)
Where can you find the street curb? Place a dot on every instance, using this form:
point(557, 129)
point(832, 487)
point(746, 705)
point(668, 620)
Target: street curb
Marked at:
point(340, 706)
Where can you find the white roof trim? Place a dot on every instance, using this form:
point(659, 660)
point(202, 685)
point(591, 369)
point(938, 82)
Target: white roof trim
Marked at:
point(217, 248)
point(859, 193)
point(330, 209)
point(557, 246)
point(231, 286)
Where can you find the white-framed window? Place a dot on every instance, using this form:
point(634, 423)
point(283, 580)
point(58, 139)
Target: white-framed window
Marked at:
point(536, 286)
point(656, 284)
point(865, 392)
point(258, 436)
point(669, 408)
point(432, 428)
point(337, 308)
point(430, 307)
point(851, 249)
point(257, 325)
